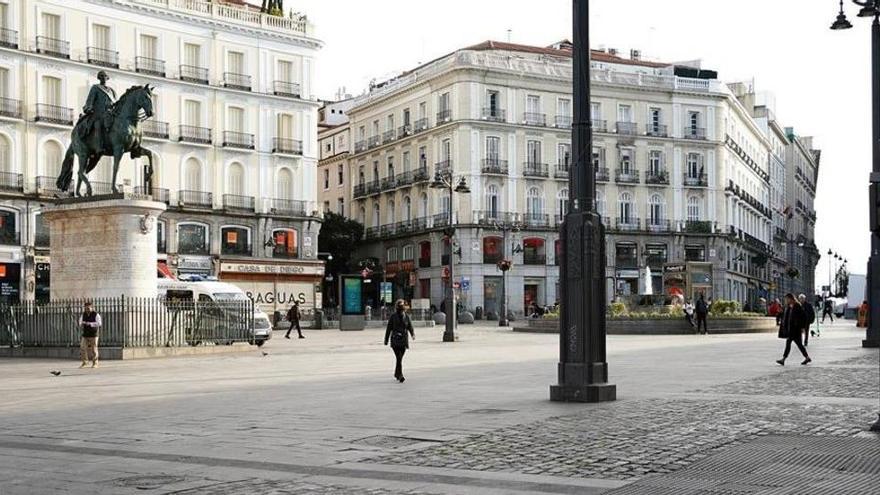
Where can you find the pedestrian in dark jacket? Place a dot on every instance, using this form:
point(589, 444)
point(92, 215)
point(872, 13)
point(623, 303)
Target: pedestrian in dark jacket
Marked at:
point(828, 309)
point(793, 322)
point(398, 326)
point(293, 317)
point(809, 315)
point(702, 310)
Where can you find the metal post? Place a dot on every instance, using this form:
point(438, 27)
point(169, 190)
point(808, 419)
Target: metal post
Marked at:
point(449, 333)
point(582, 370)
point(502, 318)
point(872, 334)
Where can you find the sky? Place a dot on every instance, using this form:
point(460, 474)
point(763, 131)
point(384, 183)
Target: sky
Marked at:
point(820, 78)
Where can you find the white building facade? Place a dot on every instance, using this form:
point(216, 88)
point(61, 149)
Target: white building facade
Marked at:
point(233, 133)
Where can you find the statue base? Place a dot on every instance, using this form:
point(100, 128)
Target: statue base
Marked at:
point(103, 247)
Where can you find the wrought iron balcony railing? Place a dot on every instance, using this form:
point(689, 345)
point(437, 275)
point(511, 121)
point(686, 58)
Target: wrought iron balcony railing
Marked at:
point(563, 121)
point(627, 224)
point(534, 259)
point(404, 179)
point(46, 186)
point(494, 217)
point(495, 166)
point(53, 47)
point(599, 125)
point(195, 199)
point(53, 114)
point(359, 190)
point(696, 180)
point(421, 175)
point(193, 73)
point(699, 226)
point(603, 174)
point(11, 182)
point(657, 225)
point(373, 141)
point(656, 177)
point(656, 130)
point(627, 128)
point(444, 116)
point(155, 129)
point(286, 88)
point(102, 57)
point(287, 146)
point(8, 38)
point(561, 170)
point(404, 131)
point(389, 136)
point(444, 166)
point(235, 202)
point(536, 220)
point(194, 134)
point(288, 207)
point(536, 119)
point(494, 114)
point(151, 66)
point(534, 169)
point(159, 194)
point(626, 176)
point(237, 81)
point(388, 183)
point(10, 108)
point(242, 140)
point(691, 132)
point(420, 125)
point(360, 146)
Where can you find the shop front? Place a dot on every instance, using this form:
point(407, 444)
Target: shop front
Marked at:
point(688, 280)
point(10, 282)
point(274, 286)
point(194, 265)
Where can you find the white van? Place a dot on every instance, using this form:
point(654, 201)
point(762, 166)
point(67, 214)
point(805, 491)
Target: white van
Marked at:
point(218, 291)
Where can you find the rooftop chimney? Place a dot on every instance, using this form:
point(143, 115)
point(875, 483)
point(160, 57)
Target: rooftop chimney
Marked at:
point(635, 54)
point(612, 52)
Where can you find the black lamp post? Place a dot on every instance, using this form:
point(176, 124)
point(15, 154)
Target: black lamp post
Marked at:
point(445, 180)
point(871, 9)
point(583, 370)
point(505, 265)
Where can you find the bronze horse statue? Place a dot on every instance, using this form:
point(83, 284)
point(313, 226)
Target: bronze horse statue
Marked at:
point(122, 135)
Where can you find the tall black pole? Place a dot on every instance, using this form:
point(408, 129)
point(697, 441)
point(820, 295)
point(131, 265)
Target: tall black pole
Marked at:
point(449, 332)
point(582, 370)
point(872, 334)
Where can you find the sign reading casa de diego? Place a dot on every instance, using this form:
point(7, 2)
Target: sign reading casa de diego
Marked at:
point(272, 269)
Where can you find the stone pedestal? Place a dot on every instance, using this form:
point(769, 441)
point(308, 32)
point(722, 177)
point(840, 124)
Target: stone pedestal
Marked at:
point(103, 247)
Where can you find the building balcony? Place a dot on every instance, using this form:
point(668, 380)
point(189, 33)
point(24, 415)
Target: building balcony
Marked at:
point(388, 184)
point(194, 134)
point(194, 74)
point(494, 217)
point(287, 207)
point(627, 128)
point(444, 116)
point(536, 220)
point(627, 224)
point(560, 171)
point(46, 186)
point(755, 243)
point(9, 38)
point(53, 114)
point(10, 108)
point(229, 12)
point(495, 166)
point(443, 167)
point(360, 146)
point(102, 188)
point(241, 140)
point(421, 175)
point(691, 132)
point(534, 259)
point(53, 47)
point(159, 194)
point(11, 182)
point(237, 81)
point(563, 121)
point(403, 179)
point(155, 129)
point(371, 233)
point(626, 176)
point(656, 177)
point(404, 131)
point(195, 199)
point(359, 191)
point(441, 219)
point(532, 169)
point(599, 125)
point(235, 202)
point(420, 125)
point(150, 66)
point(389, 136)
point(102, 57)
point(699, 227)
point(658, 225)
point(10, 238)
point(494, 114)
point(696, 180)
point(373, 141)
point(373, 187)
point(286, 88)
point(286, 146)
point(656, 130)
point(535, 119)
point(603, 174)
point(626, 262)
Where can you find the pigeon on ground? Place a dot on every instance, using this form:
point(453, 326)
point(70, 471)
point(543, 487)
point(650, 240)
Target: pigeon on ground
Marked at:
point(265, 353)
point(55, 372)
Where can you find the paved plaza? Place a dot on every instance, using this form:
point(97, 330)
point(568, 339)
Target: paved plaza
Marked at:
point(323, 415)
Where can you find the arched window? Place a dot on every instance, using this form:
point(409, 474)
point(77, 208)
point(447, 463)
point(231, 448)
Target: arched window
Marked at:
point(625, 213)
point(600, 201)
point(534, 203)
point(492, 201)
point(423, 205)
point(53, 155)
point(235, 240)
point(285, 184)
point(407, 209)
point(694, 166)
point(193, 238)
point(376, 219)
point(193, 175)
point(362, 217)
point(424, 254)
point(9, 227)
point(409, 253)
point(693, 209)
point(285, 241)
point(391, 255)
point(493, 249)
point(562, 203)
point(533, 251)
point(656, 207)
point(5, 155)
point(236, 180)
point(391, 207)
point(557, 251)
point(161, 243)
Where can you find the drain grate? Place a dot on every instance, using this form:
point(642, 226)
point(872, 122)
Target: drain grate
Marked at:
point(490, 411)
point(148, 482)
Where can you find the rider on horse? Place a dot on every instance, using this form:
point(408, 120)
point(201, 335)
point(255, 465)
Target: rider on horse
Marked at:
point(96, 111)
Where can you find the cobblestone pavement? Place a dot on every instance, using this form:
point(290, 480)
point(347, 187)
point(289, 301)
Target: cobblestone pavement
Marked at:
point(629, 440)
point(809, 381)
point(292, 487)
point(871, 358)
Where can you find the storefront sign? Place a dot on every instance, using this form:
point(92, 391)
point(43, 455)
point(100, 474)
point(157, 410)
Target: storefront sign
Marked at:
point(278, 296)
point(41, 259)
point(10, 278)
point(189, 263)
point(228, 267)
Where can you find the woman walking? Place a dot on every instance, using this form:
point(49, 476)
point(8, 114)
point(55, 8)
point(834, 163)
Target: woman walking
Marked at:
point(794, 320)
point(398, 326)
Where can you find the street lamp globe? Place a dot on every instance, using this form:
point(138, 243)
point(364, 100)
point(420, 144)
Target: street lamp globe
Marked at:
point(438, 181)
point(841, 22)
point(462, 186)
point(868, 11)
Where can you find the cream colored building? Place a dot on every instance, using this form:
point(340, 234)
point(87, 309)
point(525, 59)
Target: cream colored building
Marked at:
point(683, 175)
point(234, 131)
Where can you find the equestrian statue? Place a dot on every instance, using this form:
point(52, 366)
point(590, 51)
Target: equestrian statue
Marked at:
point(107, 127)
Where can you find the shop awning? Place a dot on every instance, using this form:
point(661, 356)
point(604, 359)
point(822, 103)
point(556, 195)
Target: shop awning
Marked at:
point(163, 270)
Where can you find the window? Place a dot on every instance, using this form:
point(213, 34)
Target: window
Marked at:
point(493, 99)
point(161, 244)
point(444, 206)
point(562, 202)
point(192, 55)
point(376, 215)
point(236, 179)
point(235, 63)
point(193, 175)
point(626, 162)
point(390, 213)
point(656, 256)
point(361, 177)
point(533, 152)
point(4, 81)
point(694, 166)
point(492, 201)
point(444, 102)
point(4, 15)
point(694, 253)
point(533, 251)
point(192, 113)
point(101, 36)
point(493, 250)
point(424, 254)
point(563, 107)
point(362, 133)
point(407, 120)
point(235, 241)
point(285, 71)
point(285, 184)
point(389, 123)
point(626, 255)
point(423, 110)
point(192, 238)
point(236, 118)
point(5, 155)
point(362, 216)
point(285, 243)
point(655, 162)
point(624, 113)
point(340, 175)
point(8, 228)
point(51, 90)
point(52, 157)
point(391, 255)
point(51, 25)
point(149, 46)
point(563, 156)
point(423, 205)
point(390, 167)
point(407, 209)
point(375, 170)
point(446, 150)
point(694, 121)
point(534, 202)
point(326, 179)
point(600, 202)
point(595, 111)
point(423, 157)
point(409, 253)
point(533, 104)
point(375, 128)
point(340, 207)
point(599, 158)
point(625, 208)
point(655, 209)
point(406, 162)
point(284, 126)
point(693, 209)
point(493, 147)
point(654, 120)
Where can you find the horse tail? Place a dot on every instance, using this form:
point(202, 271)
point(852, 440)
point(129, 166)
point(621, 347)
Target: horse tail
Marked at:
point(66, 175)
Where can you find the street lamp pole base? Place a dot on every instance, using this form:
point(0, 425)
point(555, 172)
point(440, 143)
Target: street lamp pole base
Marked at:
point(871, 344)
point(583, 393)
point(503, 323)
point(876, 426)
point(448, 337)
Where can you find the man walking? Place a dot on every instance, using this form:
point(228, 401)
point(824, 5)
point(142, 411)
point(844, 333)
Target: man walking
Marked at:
point(90, 323)
point(809, 315)
point(702, 310)
point(689, 313)
point(828, 309)
point(398, 326)
point(793, 321)
point(293, 317)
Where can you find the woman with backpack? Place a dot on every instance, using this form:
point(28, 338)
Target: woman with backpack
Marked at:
point(398, 326)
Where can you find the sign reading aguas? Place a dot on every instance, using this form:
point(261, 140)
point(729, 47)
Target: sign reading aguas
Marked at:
point(228, 267)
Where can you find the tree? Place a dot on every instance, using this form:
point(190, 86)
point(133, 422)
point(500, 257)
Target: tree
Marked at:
point(340, 237)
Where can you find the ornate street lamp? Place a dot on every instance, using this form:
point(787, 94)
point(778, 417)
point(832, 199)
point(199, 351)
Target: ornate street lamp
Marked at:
point(445, 180)
point(871, 9)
